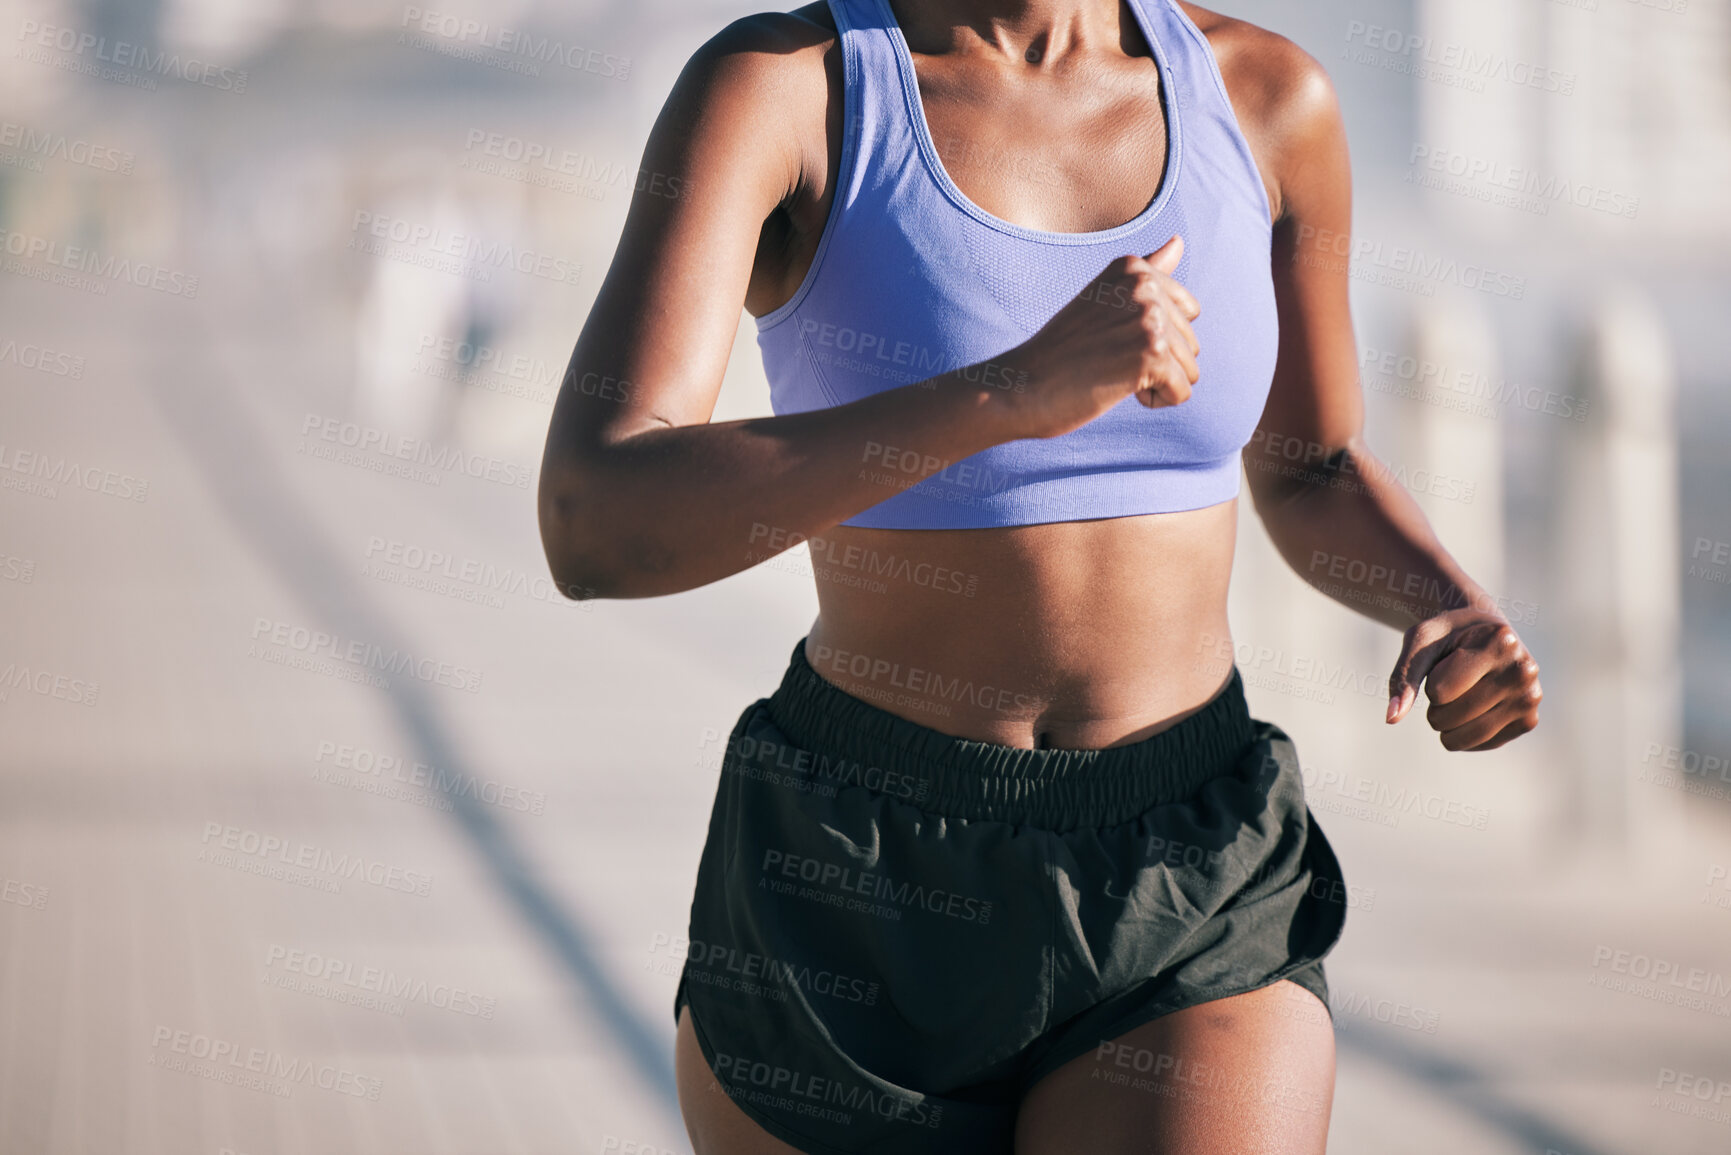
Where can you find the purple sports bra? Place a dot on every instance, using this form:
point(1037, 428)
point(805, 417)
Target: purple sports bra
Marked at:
point(911, 280)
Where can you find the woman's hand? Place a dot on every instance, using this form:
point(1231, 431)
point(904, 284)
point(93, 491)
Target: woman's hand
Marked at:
point(1483, 684)
point(1127, 332)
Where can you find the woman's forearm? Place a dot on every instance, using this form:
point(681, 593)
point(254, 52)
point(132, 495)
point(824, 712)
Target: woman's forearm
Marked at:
point(676, 507)
point(638, 503)
point(1349, 528)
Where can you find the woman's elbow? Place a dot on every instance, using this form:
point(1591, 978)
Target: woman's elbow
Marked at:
point(576, 577)
point(598, 548)
point(590, 559)
point(572, 545)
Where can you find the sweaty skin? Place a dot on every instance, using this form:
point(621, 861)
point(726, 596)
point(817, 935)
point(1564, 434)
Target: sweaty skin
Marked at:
point(1077, 634)
point(1046, 113)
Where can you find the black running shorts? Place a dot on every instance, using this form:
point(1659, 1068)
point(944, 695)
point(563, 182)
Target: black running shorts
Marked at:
point(897, 932)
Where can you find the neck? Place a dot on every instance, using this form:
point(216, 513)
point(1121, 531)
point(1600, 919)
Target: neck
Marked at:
point(1020, 30)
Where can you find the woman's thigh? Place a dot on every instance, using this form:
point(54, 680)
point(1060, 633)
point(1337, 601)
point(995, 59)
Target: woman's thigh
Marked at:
point(1252, 1075)
point(715, 1123)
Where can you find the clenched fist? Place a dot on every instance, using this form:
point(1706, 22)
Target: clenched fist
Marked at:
point(1483, 684)
point(1127, 332)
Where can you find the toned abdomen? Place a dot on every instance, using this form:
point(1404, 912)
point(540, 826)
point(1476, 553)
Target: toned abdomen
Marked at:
point(1079, 634)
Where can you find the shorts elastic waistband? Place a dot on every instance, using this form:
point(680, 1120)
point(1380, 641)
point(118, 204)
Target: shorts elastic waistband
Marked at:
point(1056, 789)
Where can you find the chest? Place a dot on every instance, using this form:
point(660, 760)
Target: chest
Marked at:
point(1072, 150)
point(1076, 150)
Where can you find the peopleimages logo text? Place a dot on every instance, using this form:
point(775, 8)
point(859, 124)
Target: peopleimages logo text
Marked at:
point(122, 54)
point(459, 30)
point(43, 144)
point(109, 267)
point(1475, 63)
point(351, 435)
point(875, 885)
point(366, 655)
point(474, 252)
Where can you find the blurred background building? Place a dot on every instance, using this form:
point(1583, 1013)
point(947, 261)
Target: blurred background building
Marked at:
point(287, 291)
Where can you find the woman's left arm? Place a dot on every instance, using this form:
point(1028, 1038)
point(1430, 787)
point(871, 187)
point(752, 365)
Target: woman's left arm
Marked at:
point(1335, 512)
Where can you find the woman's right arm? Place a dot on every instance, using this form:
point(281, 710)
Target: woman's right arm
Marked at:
point(640, 494)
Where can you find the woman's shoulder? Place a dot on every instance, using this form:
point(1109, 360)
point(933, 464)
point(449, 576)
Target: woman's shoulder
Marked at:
point(766, 64)
point(1281, 94)
point(773, 34)
point(764, 74)
point(1265, 73)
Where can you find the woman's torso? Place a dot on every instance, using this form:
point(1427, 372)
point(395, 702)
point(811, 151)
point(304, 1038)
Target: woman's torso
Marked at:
point(1078, 633)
